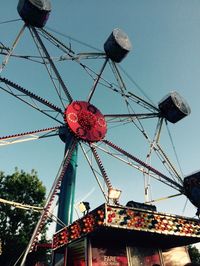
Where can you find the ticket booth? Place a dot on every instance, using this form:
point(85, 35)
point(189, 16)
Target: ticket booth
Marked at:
point(125, 236)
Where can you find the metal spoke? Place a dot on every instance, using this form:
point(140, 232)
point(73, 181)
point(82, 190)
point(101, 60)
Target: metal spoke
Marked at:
point(30, 94)
point(128, 95)
point(148, 157)
point(163, 177)
point(91, 56)
point(93, 171)
point(34, 31)
point(166, 161)
point(137, 86)
point(125, 94)
point(6, 59)
point(129, 117)
point(71, 55)
point(97, 80)
point(164, 198)
point(27, 136)
point(125, 118)
point(35, 59)
point(100, 165)
point(52, 194)
point(128, 161)
point(48, 67)
point(80, 56)
point(4, 49)
point(155, 146)
point(28, 97)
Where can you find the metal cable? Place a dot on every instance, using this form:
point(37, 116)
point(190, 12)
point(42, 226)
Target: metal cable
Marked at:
point(9, 21)
point(173, 146)
point(73, 39)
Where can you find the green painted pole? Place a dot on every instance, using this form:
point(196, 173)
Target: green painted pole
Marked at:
point(67, 190)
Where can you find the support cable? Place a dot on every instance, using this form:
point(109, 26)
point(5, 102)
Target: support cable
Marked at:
point(73, 39)
point(120, 80)
point(173, 146)
point(9, 21)
point(54, 40)
point(137, 85)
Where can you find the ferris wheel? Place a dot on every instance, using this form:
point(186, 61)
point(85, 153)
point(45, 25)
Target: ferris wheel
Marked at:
point(100, 121)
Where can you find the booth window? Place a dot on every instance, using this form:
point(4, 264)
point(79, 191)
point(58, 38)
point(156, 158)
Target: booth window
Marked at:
point(59, 258)
point(76, 254)
point(176, 256)
point(106, 255)
point(142, 256)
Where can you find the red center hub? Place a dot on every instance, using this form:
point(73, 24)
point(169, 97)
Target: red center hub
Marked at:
point(85, 121)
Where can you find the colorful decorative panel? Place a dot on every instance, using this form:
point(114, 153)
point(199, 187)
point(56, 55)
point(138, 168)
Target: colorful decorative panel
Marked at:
point(79, 228)
point(152, 221)
point(119, 217)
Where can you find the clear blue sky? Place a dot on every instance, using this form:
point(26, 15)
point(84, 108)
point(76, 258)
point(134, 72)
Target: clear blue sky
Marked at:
point(165, 57)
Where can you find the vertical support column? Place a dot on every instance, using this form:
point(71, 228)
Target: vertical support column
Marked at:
point(67, 189)
point(88, 252)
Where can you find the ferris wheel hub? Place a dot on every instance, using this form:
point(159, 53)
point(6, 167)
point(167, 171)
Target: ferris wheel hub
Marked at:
point(85, 121)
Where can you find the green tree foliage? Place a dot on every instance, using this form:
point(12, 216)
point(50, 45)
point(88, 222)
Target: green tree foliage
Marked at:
point(17, 225)
point(194, 254)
